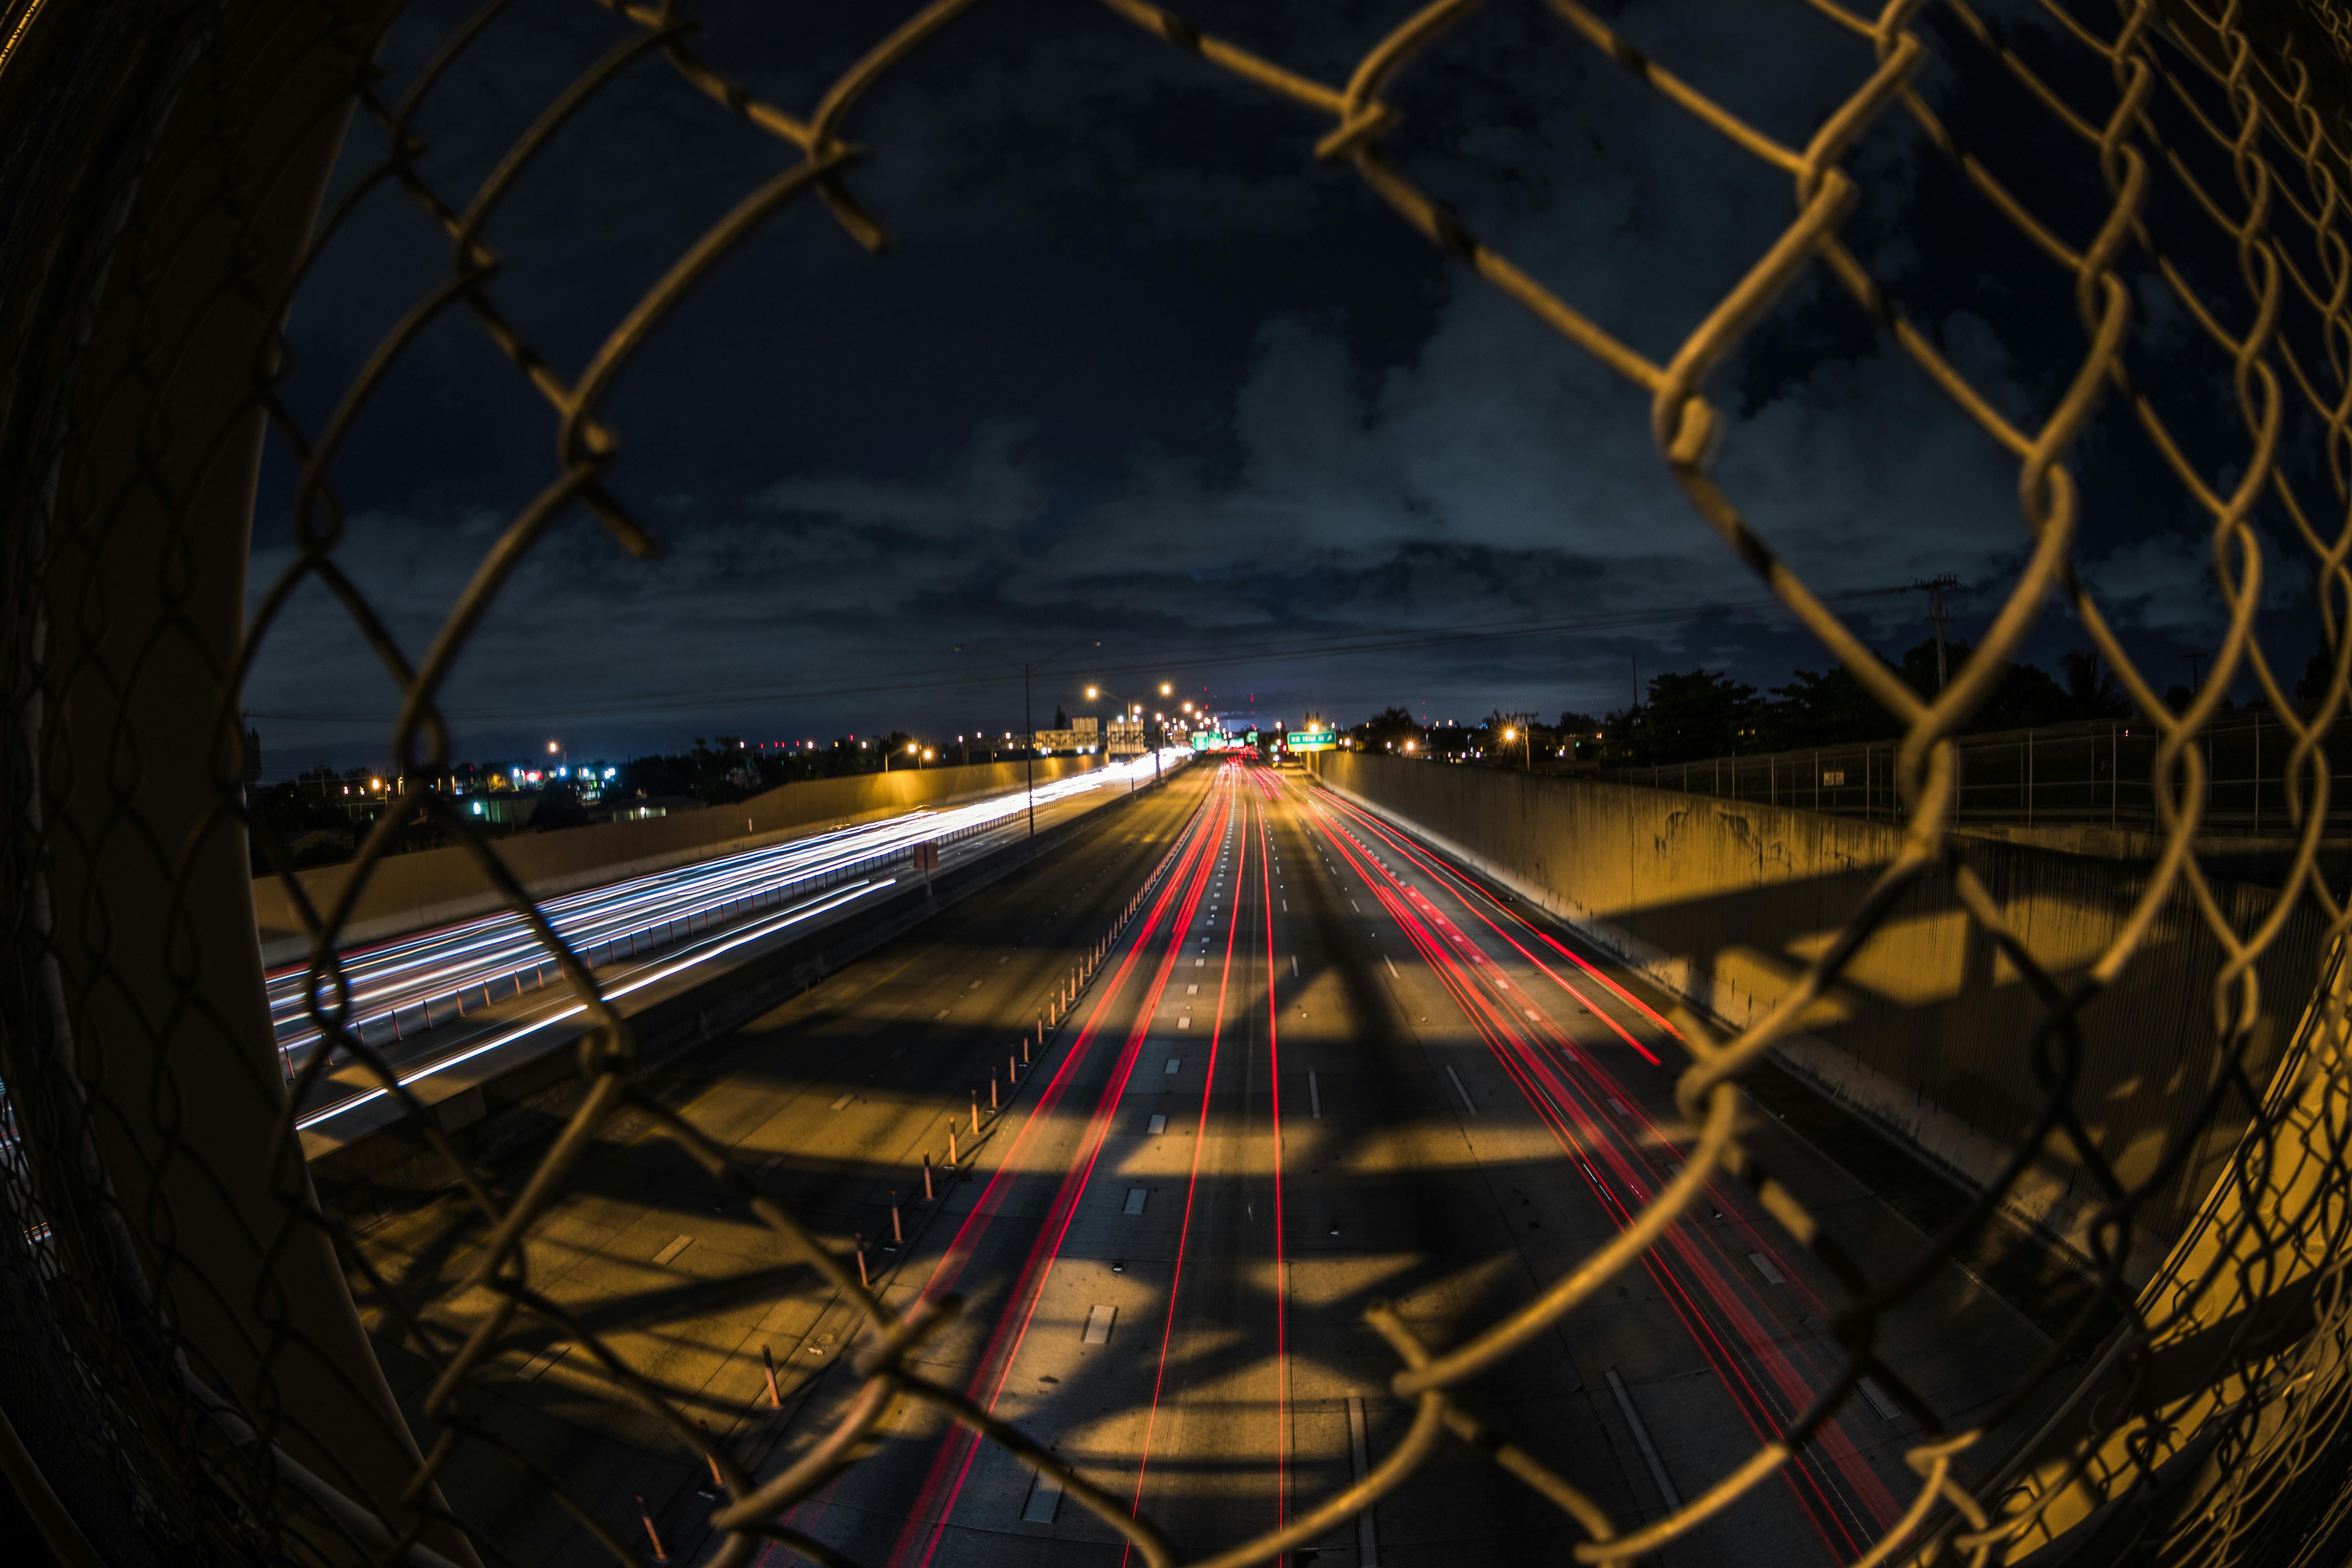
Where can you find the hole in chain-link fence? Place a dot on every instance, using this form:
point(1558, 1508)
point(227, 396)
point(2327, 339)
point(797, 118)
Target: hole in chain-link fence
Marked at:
point(199, 1369)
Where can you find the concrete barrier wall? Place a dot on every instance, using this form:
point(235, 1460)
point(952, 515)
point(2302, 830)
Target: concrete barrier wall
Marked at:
point(1930, 1035)
point(432, 886)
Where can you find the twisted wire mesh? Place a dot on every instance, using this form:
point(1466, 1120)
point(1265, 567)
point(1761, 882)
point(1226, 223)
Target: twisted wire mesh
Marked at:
point(2226, 113)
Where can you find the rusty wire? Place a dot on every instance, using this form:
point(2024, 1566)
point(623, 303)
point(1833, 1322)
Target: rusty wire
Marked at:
point(2265, 1429)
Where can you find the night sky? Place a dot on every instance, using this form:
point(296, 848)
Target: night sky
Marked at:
point(1141, 371)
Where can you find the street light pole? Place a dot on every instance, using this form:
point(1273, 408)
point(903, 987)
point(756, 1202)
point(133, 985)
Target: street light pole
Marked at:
point(1028, 718)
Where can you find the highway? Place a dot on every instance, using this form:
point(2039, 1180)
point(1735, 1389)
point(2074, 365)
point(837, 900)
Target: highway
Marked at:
point(410, 1000)
point(1322, 1068)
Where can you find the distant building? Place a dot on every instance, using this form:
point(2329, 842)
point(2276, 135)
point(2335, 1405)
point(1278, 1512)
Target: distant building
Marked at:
point(1084, 735)
point(644, 806)
point(511, 808)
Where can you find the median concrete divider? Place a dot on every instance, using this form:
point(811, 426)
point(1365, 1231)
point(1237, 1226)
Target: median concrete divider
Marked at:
point(435, 886)
point(1929, 1036)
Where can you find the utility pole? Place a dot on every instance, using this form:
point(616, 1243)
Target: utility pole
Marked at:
point(2192, 661)
point(1935, 588)
point(1028, 719)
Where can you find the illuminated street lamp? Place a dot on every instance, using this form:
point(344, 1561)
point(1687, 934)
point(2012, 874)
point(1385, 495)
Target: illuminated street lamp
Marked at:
point(1125, 709)
point(1028, 721)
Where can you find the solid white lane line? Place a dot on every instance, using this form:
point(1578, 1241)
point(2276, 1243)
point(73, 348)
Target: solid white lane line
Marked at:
point(1642, 1440)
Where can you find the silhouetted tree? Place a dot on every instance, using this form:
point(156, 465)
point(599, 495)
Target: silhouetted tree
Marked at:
point(1387, 730)
point(1687, 717)
point(2317, 671)
point(2092, 688)
point(1823, 709)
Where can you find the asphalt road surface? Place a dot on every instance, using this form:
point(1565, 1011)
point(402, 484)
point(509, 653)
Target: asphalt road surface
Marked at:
point(1322, 1068)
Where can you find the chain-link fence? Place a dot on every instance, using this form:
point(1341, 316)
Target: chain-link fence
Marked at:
point(199, 1387)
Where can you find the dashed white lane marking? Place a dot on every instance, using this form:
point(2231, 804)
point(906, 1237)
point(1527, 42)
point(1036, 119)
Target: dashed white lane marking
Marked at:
point(536, 1367)
point(668, 1254)
point(1466, 1102)
point(1367, 1539)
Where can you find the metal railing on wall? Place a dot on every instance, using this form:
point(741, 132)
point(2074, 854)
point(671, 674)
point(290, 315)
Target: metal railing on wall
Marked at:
point(2100, 774)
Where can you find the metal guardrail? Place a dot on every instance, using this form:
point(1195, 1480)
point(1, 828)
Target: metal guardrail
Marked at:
point(624, 946)
point(2098, 774)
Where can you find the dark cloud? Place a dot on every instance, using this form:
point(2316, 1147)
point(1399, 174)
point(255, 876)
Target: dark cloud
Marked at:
point(1143, 371)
